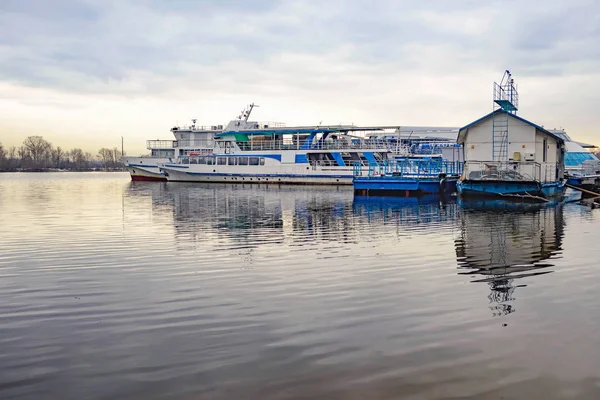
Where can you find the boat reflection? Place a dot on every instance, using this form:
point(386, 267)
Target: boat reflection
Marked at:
point(500, 242)
point(405, 210)
point(251, 213)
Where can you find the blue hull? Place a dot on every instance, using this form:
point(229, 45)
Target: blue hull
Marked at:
point(391, 185)
point(490, 188)
point(591, 183)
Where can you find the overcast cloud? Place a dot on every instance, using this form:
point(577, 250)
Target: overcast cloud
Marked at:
point(86, 72)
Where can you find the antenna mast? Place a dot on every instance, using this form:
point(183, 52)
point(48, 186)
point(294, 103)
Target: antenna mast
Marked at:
point(246, 114)
point(506, 101)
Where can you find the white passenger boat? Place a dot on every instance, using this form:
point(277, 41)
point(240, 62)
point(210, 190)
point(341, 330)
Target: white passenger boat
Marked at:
point(165, 151)
point(247, 151)
point(270, 152)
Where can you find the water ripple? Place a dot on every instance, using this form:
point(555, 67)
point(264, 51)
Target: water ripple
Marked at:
point(113, 289)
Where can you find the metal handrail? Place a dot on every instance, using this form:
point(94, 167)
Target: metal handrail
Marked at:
point(511, 171)
point(319, 145)
point(161, 144)
point(409, 168)
point(195, 143)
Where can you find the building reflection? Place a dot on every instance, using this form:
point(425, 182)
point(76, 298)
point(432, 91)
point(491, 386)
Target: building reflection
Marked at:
point(500, 243)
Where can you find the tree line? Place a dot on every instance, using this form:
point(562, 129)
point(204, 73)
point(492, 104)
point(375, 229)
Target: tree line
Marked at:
point(37, 154)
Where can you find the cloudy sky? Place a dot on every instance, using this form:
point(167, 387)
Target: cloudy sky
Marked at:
point(86, 72)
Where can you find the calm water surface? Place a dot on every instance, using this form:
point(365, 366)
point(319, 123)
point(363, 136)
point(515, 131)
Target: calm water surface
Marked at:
point(117, 290)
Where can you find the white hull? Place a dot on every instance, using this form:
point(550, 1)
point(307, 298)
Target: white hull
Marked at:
point(289, 174)
point(145, 169)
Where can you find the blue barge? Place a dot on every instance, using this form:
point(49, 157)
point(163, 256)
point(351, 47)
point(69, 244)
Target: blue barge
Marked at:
point(407, 177)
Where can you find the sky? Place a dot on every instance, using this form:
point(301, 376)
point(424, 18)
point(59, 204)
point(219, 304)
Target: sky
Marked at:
point(84, 73)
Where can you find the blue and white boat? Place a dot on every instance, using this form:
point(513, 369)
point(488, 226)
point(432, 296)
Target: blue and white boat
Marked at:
point(254, 152)
point(582, 167)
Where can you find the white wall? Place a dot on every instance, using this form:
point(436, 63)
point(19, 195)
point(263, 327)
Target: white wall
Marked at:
point(523, 138)
point(478, 144)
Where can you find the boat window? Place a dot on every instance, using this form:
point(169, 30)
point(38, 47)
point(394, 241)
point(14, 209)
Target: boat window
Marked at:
point(253, 160)
point(193, 160)
point(242, 160)
point(262, 161)
point(185, 160)
point(221, 160)
point(201, 160)
point(210, 160)
point(231, 160)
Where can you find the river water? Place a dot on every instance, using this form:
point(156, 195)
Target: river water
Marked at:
point(111, 289)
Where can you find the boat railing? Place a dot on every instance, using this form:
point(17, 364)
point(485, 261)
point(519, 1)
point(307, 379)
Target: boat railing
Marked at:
point(591, 167)
point(511, 171)
point(414, 168)
point(253, 145)
point(195, 143)
point(161, 144)
point(270, 124)
point(325, 163)
point(432, 147)
point(197, 128)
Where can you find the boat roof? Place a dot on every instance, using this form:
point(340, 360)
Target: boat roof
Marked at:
point(462, 130)
point(301, 130)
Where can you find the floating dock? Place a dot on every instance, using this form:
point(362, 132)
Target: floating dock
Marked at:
point(407, 177)
point(509, 156)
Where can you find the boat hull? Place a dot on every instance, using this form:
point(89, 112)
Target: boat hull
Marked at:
point(591, 183)
point(181, 174)
point(146, 174)
point(398, 186)
point(498, 189)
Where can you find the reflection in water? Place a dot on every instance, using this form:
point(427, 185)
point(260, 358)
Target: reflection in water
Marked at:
point(118, 290)
point(405, 210)
point(251, 214)
point(247, 213)
point(504, 241)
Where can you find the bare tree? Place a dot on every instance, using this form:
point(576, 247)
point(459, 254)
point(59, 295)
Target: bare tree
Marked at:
point(58, 155)
point(25, 157)
point(78, 159)
point(2, 158)
point(106, 156)
point(89, 158)
point(38, 149)
point(12, 158)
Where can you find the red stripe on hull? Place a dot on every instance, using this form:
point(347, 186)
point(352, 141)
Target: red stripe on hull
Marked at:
point(147, 178)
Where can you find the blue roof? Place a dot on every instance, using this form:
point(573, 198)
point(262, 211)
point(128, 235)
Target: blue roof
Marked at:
point(547, 132)
point(576, 159)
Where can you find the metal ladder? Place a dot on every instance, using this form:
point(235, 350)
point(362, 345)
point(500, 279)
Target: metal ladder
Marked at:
point(500, 136)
